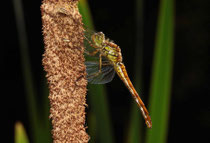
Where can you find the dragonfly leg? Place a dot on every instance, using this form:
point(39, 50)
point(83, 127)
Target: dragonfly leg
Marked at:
point(96, 76)
point(106, 63)
point(93, 75)
point(91, 53)
point(100, 67)
point(91, 44)
point(100, 62)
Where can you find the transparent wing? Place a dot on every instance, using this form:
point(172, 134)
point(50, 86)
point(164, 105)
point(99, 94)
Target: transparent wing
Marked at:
point(95, 77)
point(92, 62)
point(88, 43)
point(88, 40)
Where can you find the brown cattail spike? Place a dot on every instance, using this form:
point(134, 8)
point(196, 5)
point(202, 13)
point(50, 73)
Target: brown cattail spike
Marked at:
point(63, 61)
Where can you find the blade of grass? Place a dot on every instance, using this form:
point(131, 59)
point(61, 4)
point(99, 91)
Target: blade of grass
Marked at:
point(39, 129)
point(162, 74)
point(45, 124)
point(26, 68)
point(86, 14)
point(135, 127)
point(20, 134)
point(97, 95)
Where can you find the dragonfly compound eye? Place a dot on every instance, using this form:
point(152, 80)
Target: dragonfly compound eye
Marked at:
point(98, 39)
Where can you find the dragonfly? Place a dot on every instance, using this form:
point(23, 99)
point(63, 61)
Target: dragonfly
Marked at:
point(104, 59)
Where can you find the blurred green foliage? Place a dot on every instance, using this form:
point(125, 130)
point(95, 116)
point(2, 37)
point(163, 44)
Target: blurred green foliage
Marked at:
point(160, 89)
point(20, 134)
point(135, 132)
point(38, 121)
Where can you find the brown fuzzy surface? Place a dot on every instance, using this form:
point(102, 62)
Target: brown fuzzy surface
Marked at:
point(63, 62)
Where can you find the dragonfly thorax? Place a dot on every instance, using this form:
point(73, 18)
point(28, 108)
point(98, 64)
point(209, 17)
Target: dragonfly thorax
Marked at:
point(112, 52)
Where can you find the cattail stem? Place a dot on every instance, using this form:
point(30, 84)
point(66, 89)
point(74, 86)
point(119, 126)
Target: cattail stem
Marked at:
point(63, 61)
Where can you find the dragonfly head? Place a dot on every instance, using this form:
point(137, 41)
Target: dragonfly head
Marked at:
point(98, 39)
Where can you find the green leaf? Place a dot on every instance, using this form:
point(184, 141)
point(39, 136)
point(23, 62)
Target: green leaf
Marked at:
point(26, 69)
point(86, 14)
point(98, 104)
point(39, 127)
point(135, 134)
point(20, 134)
point(162, 74)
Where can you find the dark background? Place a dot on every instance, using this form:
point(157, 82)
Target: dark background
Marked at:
point(190, 110)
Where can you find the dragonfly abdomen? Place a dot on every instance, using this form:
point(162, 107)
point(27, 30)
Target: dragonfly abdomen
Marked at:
point(122, 73)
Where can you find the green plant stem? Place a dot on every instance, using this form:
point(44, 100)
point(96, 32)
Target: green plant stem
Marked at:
point(135, 134)
point(162, 74)
point(20, 133)
point(26, 68)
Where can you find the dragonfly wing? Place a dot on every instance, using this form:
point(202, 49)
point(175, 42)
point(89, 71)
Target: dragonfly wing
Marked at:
point(95, 77)
point(88, 43)
point(92, 65)
point(89, 49)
